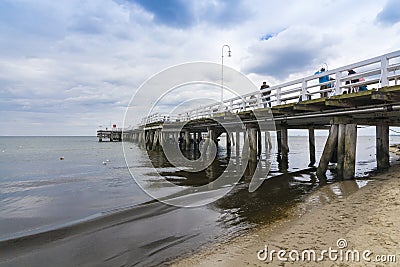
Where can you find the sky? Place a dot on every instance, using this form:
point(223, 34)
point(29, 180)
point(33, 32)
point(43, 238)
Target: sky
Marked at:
point(69, 67)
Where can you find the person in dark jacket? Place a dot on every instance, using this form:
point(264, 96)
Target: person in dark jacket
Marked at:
point(266, 94)
point(352, 89)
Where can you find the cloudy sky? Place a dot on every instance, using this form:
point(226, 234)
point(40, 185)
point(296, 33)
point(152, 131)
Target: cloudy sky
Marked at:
point(67, 67)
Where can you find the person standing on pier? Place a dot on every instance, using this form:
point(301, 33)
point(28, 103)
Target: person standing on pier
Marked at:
point(323, 79)
point(352, 89)
point(266, 94)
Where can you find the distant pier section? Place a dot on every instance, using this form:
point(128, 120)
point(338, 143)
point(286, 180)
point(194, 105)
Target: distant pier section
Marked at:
point(112, 135)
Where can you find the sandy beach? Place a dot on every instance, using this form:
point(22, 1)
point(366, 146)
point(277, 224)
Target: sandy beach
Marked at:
point(359, 228)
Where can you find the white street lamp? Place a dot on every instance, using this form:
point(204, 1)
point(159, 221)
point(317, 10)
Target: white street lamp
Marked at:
point(222, 73)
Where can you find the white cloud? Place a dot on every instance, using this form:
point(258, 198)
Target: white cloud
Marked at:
point(74, 65)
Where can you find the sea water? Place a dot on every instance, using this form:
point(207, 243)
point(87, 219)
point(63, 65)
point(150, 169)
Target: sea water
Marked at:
point(48, 184)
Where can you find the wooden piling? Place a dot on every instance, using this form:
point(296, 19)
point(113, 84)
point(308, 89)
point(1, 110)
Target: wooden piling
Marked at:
point(382, 146)
point(150, 140)
point(228, 141)
point(279, 141)
point(155, 137)
point(196, 140)
point(259, 143)
point(162, 138)
point(187, 140)
point(311, 146)
point(267, 140)
point(207, 141)
point(252, 134)
point(237, 144)
point(328, 151)
point(284, 142)
point(340, 150)
point(350, 144)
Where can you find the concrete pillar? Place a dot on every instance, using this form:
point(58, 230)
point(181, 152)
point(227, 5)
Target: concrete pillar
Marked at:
point(350, 144)
point(311, 146)
point(328, 151)
point(382, 146)
point(340, 150)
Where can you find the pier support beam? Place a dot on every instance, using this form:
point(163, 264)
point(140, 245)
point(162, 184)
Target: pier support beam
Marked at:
point(284, 142)
point(228, 141)
point(328, 151)
point(259, 143)
point(340, 149)
point(279, 141)
point(252, 135)
point(187, 140)
point(350, 144)
point(207, 141)
point(155, 139)
point(311, 146)
point(382, 146)
point(268, 143)
point(196, 140)
point(237, 143)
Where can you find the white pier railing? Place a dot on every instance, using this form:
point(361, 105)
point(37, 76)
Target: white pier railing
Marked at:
point(376, 73)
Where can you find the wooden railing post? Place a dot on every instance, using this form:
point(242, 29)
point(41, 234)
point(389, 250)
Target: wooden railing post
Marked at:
point(278, 96)
point(304, 90)
point(338, 77)
point(384, 71)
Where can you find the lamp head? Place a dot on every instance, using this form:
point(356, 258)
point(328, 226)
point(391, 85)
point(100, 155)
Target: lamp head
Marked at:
point(229, 53)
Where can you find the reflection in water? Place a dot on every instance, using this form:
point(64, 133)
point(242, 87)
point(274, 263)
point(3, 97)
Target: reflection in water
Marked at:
point(279, 192)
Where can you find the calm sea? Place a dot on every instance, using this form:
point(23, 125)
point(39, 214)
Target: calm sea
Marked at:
point(71, 201)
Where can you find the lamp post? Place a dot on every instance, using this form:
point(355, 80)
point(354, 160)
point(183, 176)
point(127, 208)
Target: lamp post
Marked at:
point(222, 73)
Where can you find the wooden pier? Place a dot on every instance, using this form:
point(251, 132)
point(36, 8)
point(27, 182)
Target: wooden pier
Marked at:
point(113, 135)
point(340, 113)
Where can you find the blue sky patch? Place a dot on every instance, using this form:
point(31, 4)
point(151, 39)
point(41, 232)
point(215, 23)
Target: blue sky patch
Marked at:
point(173, 13)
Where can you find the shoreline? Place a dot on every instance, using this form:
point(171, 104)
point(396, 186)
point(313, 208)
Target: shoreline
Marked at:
point(367, 219)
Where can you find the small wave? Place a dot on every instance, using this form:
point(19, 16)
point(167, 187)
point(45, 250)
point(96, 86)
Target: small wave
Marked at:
point(89, 224)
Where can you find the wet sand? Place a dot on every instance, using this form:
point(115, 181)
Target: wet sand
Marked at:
point(367, 219)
